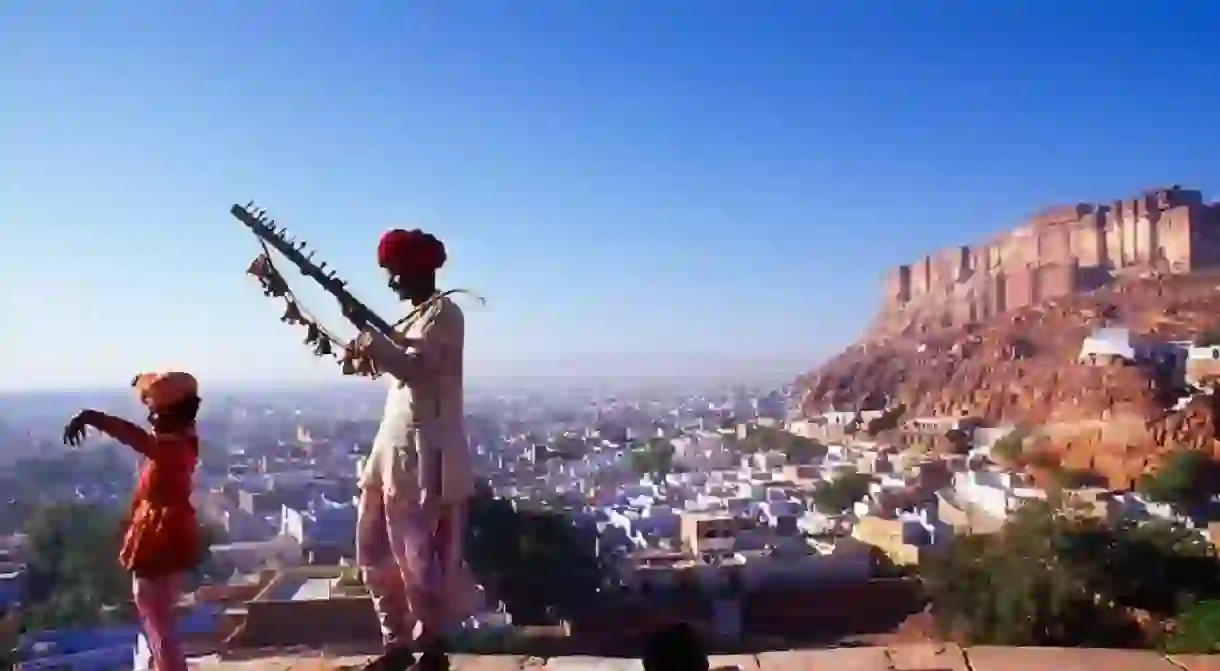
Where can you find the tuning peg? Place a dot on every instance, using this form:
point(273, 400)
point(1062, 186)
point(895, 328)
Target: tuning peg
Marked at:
point(348, 360)
point(249, 206)
point(322, 266)
point(309, 256)
point(312, 333)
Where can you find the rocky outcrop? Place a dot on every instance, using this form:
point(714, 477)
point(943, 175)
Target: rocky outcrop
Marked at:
point(1059, 252)
point(1022, 367)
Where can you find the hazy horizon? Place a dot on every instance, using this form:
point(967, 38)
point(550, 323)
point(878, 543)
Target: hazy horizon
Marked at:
point(716, 372)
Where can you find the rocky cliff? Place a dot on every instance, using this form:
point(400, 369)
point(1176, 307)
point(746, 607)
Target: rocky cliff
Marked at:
point(1062, 251)
point(1012, 355)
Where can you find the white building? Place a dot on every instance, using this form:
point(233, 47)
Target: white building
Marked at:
point(1107, 344)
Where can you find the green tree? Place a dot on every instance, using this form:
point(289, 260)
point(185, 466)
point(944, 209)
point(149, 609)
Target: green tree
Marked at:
point(761, 439)
point(568, 448)
point(798, 449)
point(75, 578)
point(802, 450)
point(1209, 337)
point(655, 459)
point(1075, 478)
point(1157, 565)
point(74, 571)
point(1196, 630)
point(538, 562)
point(1016, 588)
point(839, 495)
point(890, 419)
point(1056, 576)
point(1185, 478)
point(1010, 447)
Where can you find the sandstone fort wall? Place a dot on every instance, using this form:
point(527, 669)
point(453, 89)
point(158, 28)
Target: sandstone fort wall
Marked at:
point(1060, 251)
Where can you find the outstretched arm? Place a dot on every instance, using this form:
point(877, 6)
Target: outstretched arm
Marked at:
point(116, 427)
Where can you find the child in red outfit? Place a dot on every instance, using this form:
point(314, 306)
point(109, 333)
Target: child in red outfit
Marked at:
point(162, 539)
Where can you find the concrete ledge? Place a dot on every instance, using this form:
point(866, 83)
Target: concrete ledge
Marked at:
point(921, 657)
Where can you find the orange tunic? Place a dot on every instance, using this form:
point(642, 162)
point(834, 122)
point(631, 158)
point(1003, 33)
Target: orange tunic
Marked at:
point(162, 535)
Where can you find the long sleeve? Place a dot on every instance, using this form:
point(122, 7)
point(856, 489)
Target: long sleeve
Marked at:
point(440, 337)
point(421, 450)
point(125, 432)
point(406, 363)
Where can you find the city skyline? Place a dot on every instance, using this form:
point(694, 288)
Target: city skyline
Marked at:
point(620, 372)
point(662, 186)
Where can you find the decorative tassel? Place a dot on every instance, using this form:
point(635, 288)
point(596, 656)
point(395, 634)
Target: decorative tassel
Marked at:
point(346, 364)
point(274, 286)
point(322, 348)
point(365, 367)
point(260, 267)
point(292, 314)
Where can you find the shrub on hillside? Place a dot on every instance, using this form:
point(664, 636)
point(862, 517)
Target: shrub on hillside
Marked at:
point(1010, 447)
point(1054, 576)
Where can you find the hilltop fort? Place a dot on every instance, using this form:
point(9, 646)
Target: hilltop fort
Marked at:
point(1061, 251)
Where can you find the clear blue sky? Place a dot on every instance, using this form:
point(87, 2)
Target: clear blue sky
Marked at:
point(623, 179)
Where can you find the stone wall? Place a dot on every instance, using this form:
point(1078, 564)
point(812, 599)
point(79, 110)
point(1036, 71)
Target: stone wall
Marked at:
point(1059, 251)
point(904, 656)
point(318, 622)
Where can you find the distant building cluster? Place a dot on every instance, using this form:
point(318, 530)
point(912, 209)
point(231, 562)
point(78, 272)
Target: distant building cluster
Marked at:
point(794, 516)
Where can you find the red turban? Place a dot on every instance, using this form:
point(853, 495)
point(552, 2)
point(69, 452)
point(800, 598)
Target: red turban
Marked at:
point(403, 252)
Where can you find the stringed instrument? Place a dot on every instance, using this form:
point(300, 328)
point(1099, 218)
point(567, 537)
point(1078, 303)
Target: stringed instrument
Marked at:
point(323, 341)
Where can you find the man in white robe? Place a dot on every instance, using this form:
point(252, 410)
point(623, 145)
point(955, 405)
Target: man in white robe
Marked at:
point(417, 479)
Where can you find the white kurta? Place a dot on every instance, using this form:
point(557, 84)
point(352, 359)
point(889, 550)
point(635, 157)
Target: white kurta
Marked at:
point(420, 455)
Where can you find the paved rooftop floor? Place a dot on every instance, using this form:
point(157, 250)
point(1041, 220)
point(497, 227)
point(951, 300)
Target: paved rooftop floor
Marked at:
point(921, 657)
